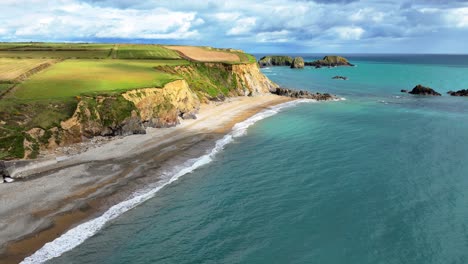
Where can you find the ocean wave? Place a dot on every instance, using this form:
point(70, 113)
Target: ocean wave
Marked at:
point(80, 233)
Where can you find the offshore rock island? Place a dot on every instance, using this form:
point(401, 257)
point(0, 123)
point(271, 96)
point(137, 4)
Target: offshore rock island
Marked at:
point(298, 62)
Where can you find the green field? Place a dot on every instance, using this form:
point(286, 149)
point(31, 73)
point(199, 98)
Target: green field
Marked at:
point(145, 52)
point(77, 77)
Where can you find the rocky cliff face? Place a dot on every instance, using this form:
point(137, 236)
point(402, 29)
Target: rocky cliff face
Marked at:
point(161, 107)
point(215, 81)
point(252, 80)
point(131, 112)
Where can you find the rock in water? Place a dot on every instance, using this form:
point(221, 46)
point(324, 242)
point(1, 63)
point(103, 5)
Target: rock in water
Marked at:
point(463, 92)
point(330, 61)
point(297, 63)
point(268, 61)
point(303, 94)
point(340, 77)
point(403, 91)
point(422, 90)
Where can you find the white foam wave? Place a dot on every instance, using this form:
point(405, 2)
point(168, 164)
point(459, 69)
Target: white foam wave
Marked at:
point(80, 233)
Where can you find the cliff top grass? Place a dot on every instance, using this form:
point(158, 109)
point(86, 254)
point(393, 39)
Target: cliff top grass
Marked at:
point(86, 77)
point(145, 52)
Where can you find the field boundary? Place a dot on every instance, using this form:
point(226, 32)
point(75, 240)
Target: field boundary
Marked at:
point(26, 75)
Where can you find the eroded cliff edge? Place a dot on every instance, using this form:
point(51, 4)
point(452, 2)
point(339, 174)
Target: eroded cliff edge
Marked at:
point(131, 112)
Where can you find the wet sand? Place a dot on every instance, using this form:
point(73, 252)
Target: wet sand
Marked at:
point(62, 192)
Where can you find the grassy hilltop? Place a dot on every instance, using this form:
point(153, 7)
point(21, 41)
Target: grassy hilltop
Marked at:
point(41, 83)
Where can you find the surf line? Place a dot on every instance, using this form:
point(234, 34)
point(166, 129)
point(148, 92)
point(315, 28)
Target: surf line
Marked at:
point(77, 235)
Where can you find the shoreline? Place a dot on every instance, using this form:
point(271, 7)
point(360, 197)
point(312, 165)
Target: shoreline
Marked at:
point(81, 187)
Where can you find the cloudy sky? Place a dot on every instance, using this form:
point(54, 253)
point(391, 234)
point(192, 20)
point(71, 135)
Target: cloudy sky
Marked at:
point(346, 26)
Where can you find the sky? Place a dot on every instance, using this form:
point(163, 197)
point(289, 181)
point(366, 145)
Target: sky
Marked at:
point(288, 26)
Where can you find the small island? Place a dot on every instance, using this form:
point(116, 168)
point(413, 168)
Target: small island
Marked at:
point(330, 61)
point(422, 90)
point(299, 63)
point(269, 61)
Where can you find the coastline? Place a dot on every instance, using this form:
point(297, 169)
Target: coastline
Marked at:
point(83, 186)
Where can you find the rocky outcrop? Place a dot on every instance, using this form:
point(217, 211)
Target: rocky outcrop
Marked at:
point(303, 94)
point(297, 63)
point(269, 61)
point(422, 90)
point(463, 92)
point(215, 81)
point(340, 78)
point(161, 107)
point(330, 61)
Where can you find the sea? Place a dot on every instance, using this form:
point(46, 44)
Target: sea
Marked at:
point(377, 177)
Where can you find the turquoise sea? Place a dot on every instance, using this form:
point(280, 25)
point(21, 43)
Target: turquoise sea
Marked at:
point(381, 177)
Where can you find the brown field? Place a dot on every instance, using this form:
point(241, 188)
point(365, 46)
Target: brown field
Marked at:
point(10, 69)
point(205, 54)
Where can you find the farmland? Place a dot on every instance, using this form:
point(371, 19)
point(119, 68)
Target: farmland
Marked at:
point(205, 54)
point(77, 77)
point(10, 69)
point(145, 52)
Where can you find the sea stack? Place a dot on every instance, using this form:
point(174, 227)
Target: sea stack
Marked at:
point(297, 63)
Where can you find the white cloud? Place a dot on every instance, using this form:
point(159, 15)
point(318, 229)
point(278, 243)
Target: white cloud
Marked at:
point(226, 16)
point(365, 14)
point(74, 20)
point(242, 26)
point(458, 17)
point(348, 33)
point(275, 36)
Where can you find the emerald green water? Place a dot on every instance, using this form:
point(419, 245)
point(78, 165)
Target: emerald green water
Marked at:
point(381, 177)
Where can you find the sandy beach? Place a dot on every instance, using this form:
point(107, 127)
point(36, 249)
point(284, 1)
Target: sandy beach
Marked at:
point(57, 193)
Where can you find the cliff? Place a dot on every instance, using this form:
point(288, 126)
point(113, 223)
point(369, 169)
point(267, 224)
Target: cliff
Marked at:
point(132, 111)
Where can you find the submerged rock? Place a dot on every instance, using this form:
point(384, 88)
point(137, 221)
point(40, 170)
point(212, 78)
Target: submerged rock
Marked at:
point(303, 94)
point(463, 92)
point(297, 63)
point(422, 90)
point(340, 77)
